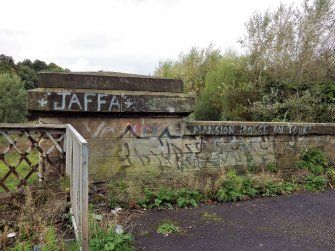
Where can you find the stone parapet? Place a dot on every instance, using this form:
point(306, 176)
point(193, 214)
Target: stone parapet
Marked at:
point(121, 147)
point(255, 145)
point(108, 81)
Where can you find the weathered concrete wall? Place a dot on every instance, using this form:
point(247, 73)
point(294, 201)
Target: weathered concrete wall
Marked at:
point(125, 146)
point(132, 146)
point(253, 145)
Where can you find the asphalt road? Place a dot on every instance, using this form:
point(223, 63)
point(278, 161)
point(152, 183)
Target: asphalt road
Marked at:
point(304, 221)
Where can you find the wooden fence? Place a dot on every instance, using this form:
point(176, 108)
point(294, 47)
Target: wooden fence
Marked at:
point(32, 152)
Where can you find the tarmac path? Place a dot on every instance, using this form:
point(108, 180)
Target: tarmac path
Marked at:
point(304, 221)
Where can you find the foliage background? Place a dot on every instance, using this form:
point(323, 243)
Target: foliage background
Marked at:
point(286, 73)
point(15, 80)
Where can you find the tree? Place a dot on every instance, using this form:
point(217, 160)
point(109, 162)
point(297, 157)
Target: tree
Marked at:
point(56, 68)
point(28, 71)
point(292, 60)
point(13, 99)
point(26, 62)
point(28, 75)
point(7, 64)
point(191, 67)
point(292, 46)
point(228, 91)
point(39, 65)
point(286, 74)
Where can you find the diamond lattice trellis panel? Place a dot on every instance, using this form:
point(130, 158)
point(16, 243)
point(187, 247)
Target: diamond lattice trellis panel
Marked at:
point(27, 154)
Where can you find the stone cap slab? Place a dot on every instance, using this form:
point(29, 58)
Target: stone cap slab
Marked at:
point(84, 101)
point(236, 128)
point(108, 81)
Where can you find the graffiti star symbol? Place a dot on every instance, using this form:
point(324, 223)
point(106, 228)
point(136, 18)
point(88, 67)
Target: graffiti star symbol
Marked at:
point(129, 103)
point(42, 102)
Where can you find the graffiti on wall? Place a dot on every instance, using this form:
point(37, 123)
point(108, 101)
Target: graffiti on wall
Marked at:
point(146, 146)
point(248, 130)
point(169, 151)
point(97, 102)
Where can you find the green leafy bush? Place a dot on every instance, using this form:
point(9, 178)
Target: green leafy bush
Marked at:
point(314, 160)
point(162, 198)
point(315, 183)
point(168, 198)
point(238, 187)
point(227, 92)
point(188, 197)
point(248, 188)
point(289, 187)
point(231, 188)
point(271, 189)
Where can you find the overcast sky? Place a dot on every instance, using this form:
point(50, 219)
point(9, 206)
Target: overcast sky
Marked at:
point(124, 35)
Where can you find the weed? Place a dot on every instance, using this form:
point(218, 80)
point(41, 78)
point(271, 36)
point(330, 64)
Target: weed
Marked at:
point(33, 226)
point(118, 196)
point(65, 183)
point(160, 199)
point(231, 188)
point(124, 193)
point(188, 197)
point(21, 247)
point(211, 216)
point(330, 173)
point(106, 238)
point(168, 228)
point(72, 246)
point(134, 190)
point(51, 243)
point(314, 160)
point(315, 183)
point(208, 187)
point(272, 168)
point(166, 198)
point(271, 189)
point(68, 217)
point(289, 187)
point(238, 187)
point(252, 168)
point(144, 233)
point(248, 188)
point(67, 223)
